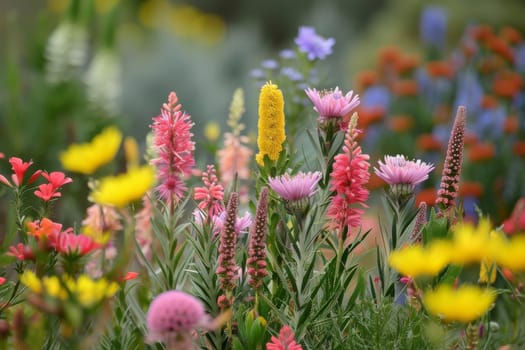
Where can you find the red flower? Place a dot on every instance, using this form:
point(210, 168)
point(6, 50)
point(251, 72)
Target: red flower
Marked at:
point(211, 195)
point(19, 169)
point(70, 243)
point(21, 252)
point(57, 178)
point(47, 192)
point(2, 279)
point(131, 275)
point(285, 341)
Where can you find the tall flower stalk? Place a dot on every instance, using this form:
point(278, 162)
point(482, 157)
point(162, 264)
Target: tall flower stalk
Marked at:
point(449, 186)
point(348, 179)
point(172, 142)
point(257, 250)
point(271, 123)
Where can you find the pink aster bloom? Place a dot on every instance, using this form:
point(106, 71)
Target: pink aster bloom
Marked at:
point(173, 317)
point(211, 195)
point(174, 148)
point(285, 341)
point(348, 179)
point(332, 103)
point(398, 170)
point(295, 187)
point(242, 223)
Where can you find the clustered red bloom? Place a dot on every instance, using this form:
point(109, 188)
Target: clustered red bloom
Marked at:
point(257, 247)
point(348, 179)
point(19, 168)
point(21, 252)
point(211, 196)
point(285, 341)
point(172, 318)
point(65, 242)
point(174, 148)
point(449, 186)
point(56, 179)
point(227, 243)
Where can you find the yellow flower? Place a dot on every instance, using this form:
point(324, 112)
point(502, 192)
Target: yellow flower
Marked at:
point(86, 158)
point(31, 281)
point(510, 253)
point(417, 260)
point(212, 131)
point(271, 123)
point(89, 292)
point(123, 189)
point(484, 269)
point(471, 244)
point(54, 287)
point(465, 304)
point(131, 150)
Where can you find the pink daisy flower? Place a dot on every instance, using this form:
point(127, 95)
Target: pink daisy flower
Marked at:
point(332, 103)
point(402, 174)
point(295, 187)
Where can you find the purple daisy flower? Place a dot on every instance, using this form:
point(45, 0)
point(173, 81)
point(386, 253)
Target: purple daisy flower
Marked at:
point(332, 103)
point(397, 170)
point(314, 45)
point(296, 190)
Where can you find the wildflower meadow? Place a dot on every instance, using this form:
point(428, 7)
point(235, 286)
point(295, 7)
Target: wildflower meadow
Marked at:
point(385, 215)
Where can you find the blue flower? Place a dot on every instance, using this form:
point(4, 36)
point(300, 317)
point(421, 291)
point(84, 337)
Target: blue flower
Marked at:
point(287, 54)
point(433, 26)
point(269, 64)
point(291, 73)
point(315, 46)
point(520, 58)
point(257, 73)
point(469, 92)
point(376, 96)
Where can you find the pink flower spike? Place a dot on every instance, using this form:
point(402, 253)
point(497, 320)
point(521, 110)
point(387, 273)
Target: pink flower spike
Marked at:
point(19, 168)
point(72, 244)
point(211, 195)
point(57, 178)
point(285, 341)
point(332, 103)
point(46, 192)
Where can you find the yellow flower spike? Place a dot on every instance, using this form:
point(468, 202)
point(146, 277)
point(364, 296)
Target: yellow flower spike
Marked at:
point(465, 304)
point(123, 189)
point(131, 150)
point(86, 158)
point(31, 281)
point(471, 244)
point(416, 260)
point(271, 123)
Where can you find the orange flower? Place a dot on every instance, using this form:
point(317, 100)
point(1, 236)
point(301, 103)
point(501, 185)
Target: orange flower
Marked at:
point(482, 32)
point(511, 35)
point(428, 142)
point(375, 182)
point(481, 151)
point(365, 79)
point(367, 116)
point(406, 63)
point(511, 124)
point(442, 114)
point(427, 195)
point(470, 139)
point(389, 55)
point(406, 87)
point(507, 84)
point(43, 228)
point(437, 69)
point(401, 123)
point(489, 101)
point(519, 148)
point(471, 189)
point(501, 48)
